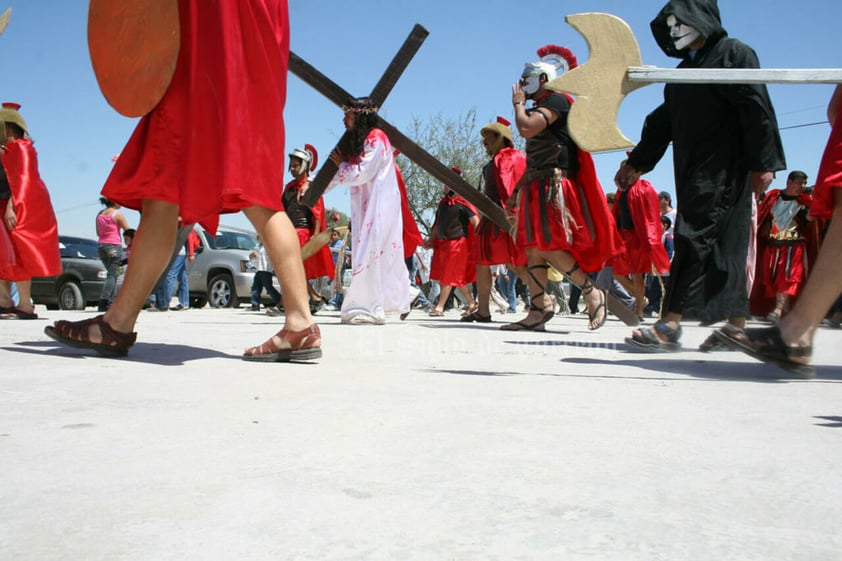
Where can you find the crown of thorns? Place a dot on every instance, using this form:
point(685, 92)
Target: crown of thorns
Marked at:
point(358, 109)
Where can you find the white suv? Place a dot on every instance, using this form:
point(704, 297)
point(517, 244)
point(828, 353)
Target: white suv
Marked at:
point(222, 273)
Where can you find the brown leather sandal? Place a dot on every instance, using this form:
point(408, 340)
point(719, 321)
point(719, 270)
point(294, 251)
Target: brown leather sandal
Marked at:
point(304, 346)
point(77, 334)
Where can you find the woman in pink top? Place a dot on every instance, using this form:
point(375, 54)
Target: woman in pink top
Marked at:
point(109, 225)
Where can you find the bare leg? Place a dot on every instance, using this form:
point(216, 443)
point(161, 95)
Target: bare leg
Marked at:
point(536, 279)
point(565, 262)
point(284, 251)
point(151, 252)
point(639, 293)
point(443, 296)
point(823, 285)
point(5, 294)
point(25, 295)
point(469, 297)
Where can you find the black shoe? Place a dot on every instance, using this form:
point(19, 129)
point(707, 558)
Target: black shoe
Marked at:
point(179, 308)
point(255, 307)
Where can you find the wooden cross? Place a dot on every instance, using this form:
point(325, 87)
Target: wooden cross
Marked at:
point(407, 147)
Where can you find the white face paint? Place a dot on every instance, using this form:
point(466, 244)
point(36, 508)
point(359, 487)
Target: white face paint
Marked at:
point(530, 83)
point(682, 34)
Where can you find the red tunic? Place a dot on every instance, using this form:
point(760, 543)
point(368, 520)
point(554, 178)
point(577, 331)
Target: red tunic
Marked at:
point(452, 264)
point(781, 267)
point(830, 172)
point(493, 245)
point(31, 249)
point(644, 248)
point(591, 235)
point(215, 142)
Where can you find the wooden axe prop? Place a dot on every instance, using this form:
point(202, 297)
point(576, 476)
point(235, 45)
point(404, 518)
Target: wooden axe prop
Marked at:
point(614, 69)
point(407, 147)
point(4, 20)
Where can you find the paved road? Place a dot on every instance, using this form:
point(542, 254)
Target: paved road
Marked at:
point(421, 440)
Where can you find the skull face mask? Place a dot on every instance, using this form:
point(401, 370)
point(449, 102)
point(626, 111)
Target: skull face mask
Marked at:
point(683, 36)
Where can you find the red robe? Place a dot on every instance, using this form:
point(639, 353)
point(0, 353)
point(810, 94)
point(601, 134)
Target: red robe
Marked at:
point(781, 268)
point(830, 172)
point(644, 248)
point(493, 245)
point(451, 264)
point(31, 249)
point(215, 142)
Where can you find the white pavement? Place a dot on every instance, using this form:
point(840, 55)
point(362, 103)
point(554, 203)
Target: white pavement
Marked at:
point(428, 439)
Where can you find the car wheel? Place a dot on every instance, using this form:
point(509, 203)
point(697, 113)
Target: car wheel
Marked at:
point(221, 292)
point(198, 301)
point(70, 297)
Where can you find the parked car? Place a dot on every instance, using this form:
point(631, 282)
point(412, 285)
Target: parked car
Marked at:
point(222, 272)
point(81, 279)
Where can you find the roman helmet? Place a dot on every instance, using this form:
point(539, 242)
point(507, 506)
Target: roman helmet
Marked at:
point(554, 61)
point(308, 155)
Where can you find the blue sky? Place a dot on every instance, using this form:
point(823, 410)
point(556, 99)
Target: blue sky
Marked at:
point(474, 52)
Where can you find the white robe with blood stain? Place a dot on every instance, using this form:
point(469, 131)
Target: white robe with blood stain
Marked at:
point(380, 282)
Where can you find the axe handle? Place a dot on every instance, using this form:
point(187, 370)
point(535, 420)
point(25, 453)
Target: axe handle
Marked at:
point(735, 75)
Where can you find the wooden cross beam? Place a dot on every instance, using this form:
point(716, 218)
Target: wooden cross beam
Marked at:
point(407, 147)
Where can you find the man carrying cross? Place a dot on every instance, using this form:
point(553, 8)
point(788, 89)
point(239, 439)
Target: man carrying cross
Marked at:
point(725, 145)
point(366, 164)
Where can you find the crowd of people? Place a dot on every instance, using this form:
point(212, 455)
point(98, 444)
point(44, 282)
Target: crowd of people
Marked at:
point(727, 251)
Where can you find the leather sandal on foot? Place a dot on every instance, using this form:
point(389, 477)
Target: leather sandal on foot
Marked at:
point(523, 326)
point(646, 339)
point(714, 344)
point(767, 345)
point(477, 317)
point(303, 346)
point(17, 313)
point(436, 313)
point(77, 334)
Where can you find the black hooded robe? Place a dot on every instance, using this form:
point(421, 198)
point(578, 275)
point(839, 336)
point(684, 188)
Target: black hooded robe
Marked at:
point(720, 134)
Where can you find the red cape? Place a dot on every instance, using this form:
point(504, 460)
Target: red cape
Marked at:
point(644, 247)
point(31, 249)
point(412, 237)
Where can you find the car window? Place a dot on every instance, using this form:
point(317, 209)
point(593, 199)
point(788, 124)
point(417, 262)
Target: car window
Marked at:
point(234, 240)
point(78, 247)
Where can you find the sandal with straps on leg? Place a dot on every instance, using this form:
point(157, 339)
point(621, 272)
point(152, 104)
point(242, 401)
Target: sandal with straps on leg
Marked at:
point(77, 334)
point(646, 339)
point(587, 287)
point(549, 310)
